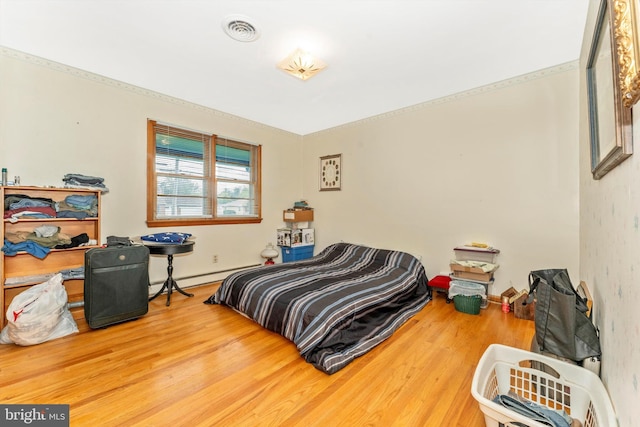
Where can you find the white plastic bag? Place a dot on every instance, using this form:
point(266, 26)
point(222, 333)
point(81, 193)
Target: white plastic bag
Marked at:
point(463, 287)
point(39, 314)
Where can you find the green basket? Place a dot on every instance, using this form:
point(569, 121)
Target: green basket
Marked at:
point(467, 304)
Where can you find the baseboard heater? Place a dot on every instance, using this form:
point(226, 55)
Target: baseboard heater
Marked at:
point(77, 304)
point(194, 276)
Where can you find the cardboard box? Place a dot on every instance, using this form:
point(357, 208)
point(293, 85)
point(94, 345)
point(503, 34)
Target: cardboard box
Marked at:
point(283, 237)
point(292, 237)
point(471, 273)
point(478, 277)
point(299, 215)
point(308, 236)
point(477, 270)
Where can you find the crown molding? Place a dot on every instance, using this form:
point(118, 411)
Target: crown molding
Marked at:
point(513, 81)
point(15, 54)
point(67, 69)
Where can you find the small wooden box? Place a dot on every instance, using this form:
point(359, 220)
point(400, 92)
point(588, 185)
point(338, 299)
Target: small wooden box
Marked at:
point(509, 293)
point(521, 311)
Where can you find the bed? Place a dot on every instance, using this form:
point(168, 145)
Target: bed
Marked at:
point(335, 306)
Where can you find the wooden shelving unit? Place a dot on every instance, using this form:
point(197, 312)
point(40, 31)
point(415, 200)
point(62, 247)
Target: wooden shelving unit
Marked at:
point(24, 265)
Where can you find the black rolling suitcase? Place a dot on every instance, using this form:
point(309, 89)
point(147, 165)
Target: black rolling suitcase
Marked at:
point(116, 284)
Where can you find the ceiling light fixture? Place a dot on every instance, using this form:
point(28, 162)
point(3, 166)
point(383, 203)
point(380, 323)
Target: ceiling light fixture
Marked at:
point(239, 28)
point(301, 64)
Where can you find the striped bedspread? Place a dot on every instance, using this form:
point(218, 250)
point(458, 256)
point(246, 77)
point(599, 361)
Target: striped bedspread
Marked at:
point(335, 306)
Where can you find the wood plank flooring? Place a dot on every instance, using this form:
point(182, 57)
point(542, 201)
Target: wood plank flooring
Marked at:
point(193, 364)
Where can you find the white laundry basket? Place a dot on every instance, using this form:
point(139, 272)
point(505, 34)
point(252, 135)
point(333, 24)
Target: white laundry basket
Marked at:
point(575, 390)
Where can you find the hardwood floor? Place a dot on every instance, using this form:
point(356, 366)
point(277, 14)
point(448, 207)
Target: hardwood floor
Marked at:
point(193, 364)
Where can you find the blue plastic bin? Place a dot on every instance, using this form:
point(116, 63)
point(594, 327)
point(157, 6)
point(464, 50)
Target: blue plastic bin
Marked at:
point(296, 253)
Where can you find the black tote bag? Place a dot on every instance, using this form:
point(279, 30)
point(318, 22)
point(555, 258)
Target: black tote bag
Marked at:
point(562, 326)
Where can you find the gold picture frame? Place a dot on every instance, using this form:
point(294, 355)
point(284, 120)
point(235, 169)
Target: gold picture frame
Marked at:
point(331, 173)
point(610, 126)
point(625, 31)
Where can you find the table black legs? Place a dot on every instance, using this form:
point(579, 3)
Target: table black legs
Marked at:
point(169, 284)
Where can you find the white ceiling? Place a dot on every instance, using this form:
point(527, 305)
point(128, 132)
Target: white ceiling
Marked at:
point(382, 55)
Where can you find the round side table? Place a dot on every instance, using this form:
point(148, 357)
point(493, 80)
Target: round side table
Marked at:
point(169, 249)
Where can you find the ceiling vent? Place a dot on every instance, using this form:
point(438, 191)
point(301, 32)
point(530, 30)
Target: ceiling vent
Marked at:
point(239, 28)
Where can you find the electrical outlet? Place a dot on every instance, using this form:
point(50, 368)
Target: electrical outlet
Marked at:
point(214, 258)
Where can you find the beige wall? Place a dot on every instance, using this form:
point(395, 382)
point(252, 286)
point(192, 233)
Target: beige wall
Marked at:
point(58, 120)
point(610, 256)
point(496, 165)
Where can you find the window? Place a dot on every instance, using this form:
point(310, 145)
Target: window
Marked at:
point(195, 178)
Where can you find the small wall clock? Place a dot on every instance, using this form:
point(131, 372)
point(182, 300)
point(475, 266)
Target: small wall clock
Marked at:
point(331, 172)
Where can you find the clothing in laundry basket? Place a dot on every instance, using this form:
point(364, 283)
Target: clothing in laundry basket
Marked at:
point(535, 412)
